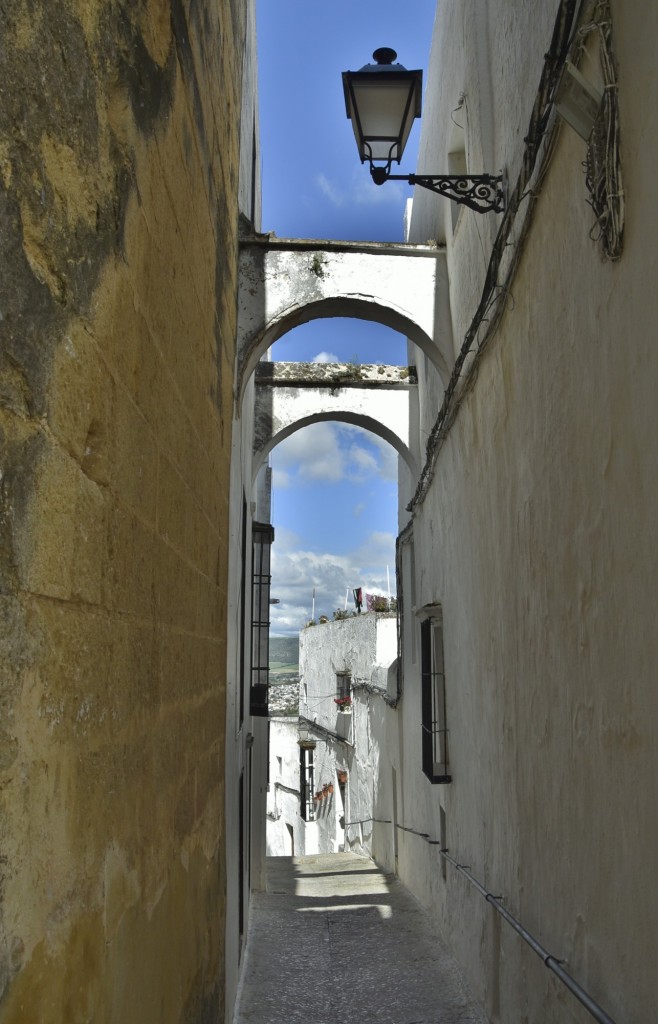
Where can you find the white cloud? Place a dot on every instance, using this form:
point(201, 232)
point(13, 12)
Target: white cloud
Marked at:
point(366, 463)
point(364, 192)
point(280, 478)
point(313, 453)
point(304, 447)
point(329, 467)
point(329, 190)
point(377, 551)
point(388, 458)
point(359, 509)
point(296, 573)
point(325, 357)
point(362, 463)
point(332, 452)
point(286, 540)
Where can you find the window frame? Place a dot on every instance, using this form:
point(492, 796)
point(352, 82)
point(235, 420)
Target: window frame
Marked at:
point(306, 782)
point(262, 536)
point(343, 684)
point(434, 725)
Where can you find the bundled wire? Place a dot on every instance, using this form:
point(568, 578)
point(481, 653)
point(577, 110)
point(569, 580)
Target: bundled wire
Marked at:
point(603, 163)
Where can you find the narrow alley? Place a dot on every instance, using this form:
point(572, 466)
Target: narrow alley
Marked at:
point(334, 940)
point(349, 356)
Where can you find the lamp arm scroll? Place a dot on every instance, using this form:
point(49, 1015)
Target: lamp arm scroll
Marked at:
point(484, 193)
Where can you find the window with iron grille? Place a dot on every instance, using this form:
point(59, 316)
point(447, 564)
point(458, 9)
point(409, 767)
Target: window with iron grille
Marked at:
point(262, 537)
point(306, 790)
point(433, 700)
point(343, 684)
point(243, 611)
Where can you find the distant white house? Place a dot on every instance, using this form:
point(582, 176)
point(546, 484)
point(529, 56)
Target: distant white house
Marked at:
point(323, 792)
point(284, 836)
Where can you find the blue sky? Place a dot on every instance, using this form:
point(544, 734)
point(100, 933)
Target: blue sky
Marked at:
point(334, 503)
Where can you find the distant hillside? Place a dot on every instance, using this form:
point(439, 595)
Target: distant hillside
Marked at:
point(284, 650)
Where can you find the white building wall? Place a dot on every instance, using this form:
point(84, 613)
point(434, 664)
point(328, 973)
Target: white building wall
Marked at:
point(239, 756)
point(285, 832)
point(365, 646)
point(536, 538)
point(286, 283)
point(246, 737)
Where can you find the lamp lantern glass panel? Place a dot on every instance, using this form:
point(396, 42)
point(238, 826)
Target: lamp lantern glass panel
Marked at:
point(382, 100)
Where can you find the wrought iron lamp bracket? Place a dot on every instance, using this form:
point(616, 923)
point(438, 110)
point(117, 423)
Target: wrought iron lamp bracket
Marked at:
point(484, 193)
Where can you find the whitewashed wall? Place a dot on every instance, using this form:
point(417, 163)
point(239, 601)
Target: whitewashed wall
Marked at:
point(365, 646)
point(246, 741)
point(283, 792)
point(537, 538)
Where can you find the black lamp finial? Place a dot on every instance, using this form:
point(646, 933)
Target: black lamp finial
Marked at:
point(384, 55)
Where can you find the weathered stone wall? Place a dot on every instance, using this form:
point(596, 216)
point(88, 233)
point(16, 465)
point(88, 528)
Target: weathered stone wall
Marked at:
point(119, 154)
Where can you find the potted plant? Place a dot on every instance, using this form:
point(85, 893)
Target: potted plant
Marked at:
point(344, 704)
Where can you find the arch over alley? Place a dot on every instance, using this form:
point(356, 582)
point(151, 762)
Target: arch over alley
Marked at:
point(290, 396)
point(285, 283)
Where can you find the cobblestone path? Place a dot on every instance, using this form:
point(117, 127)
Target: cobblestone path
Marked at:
point(335, 941)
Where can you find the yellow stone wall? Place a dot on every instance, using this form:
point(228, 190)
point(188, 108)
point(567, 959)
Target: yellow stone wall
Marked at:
point(119, 152)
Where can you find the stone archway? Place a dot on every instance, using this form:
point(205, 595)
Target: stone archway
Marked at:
point(285, 283)
point(290, 396)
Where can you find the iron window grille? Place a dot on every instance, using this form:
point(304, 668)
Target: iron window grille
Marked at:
point(343, 684)
point(433, 702)
point(306, 786)
point(262, 537)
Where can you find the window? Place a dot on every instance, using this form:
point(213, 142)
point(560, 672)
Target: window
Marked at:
point(243, 610)
point(306, 791)
point(343, 684)
point(443, 837)
point(343, 698)
point(262, 537)
point(433, 699)
point(241, 880)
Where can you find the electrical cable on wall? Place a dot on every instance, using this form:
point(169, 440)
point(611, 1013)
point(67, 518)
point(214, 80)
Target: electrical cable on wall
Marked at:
point(603, 163)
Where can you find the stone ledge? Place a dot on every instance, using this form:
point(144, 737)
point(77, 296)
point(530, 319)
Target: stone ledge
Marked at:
point(271, 242)
point(334, 375)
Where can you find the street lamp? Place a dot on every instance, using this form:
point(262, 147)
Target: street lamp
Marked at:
point(382, 100)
